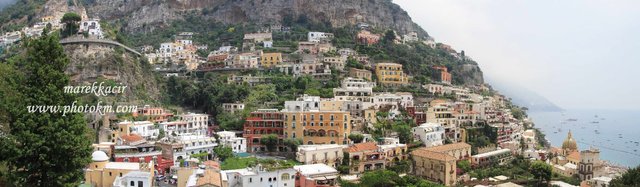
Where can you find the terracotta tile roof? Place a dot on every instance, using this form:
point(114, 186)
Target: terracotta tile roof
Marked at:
point(210, 177)
point(426, 153)
point(368, 146)
point(574, 155)
point(212, 164)
point(131, 137)
point(449, 147)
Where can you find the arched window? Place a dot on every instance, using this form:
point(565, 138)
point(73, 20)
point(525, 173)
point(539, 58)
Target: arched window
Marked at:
point(132, 183)
point(285, 176)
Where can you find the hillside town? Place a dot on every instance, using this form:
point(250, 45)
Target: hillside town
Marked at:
point(448, 134)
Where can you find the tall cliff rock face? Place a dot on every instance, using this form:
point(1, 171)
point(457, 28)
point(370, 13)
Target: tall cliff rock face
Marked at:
point(92, 63)
point(144, 15)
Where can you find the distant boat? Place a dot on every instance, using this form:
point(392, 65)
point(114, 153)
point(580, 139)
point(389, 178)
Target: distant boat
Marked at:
point(572, 119)
point(596, 116)
point(595, 122)
point(597, 132)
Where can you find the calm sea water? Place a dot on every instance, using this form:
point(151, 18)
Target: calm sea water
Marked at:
point(614, 132)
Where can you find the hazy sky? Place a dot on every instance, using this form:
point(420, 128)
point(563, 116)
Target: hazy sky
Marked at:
point(577, 53)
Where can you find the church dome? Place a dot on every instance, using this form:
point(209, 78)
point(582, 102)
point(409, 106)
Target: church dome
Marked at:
point(99, 156)
point(569, 143)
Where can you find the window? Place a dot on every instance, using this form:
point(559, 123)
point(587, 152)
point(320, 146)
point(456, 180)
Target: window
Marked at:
point(132, 183)
point(109, 173)
point(312, 116)
point(140, 184)
point(284, 176)
point(321, 124)
point(321, 117)
point(250, 179)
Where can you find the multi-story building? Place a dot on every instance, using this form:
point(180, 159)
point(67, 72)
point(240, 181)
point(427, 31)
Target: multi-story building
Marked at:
point(146, 129)
point(316, 69)
point(91, 27)
point(460, 151)
point(263, 122)
point(368, 38)
point(197, 123)
point(394, 152)
point(196, 144)
point(153, 114)
point(354, 89)
point(304, 120)
point(259, 176)
point(431, 134)
point(268, 60)
point(391, 74)
point(248, 79)
point(360, 73)
point(589, 164)
point(441, 74)
point(103, 173)
point(258, 37)
point(319, 36)
point(434, 166)
point(329, 154)
point(365, 157)
point(229, 139)
point(316, 175)
point(232, 107)
point(497, 157)
point(143, 153)
point(336, 62)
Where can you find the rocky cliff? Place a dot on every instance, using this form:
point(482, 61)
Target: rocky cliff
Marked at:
point(145, 15)
point(93, 63)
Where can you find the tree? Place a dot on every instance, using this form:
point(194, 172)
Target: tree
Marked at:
point(161, 134)
point(464, 165)
point(630, 178)
point(381, 178)
point(70, 20)
point(46, 148)
point(223, 152)
point(356, 138)
point(541, 171)
point(292, 143)
point(404, 132)
point(270, 141)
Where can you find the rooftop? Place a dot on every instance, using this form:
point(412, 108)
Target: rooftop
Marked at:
point(315, 169)
point(449, 147)
point(359, 147)
point(210, 177)
point(424, 152)
point(123, 165)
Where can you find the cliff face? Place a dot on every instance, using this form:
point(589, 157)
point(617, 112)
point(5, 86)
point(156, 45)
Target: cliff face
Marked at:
point(91, 63)
point(143, 15)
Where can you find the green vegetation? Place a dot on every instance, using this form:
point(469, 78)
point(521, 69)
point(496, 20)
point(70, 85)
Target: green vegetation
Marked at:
point(356, 138)
point(292, 143)
point(268, 164)
point(71, 24)
point(464, 165)
point(270, 141)
point(480, 135)
point(41, 149)
point(387, 178)
point(631, 178)
point(223, 152)
point(22, 13)
point(541, 171)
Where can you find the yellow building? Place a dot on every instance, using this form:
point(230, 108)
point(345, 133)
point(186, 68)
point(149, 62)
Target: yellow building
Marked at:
point(317, 126)
point(459, 151)
point(102, 173)
point(434, 166)
point(391, 74)
point(270, 59)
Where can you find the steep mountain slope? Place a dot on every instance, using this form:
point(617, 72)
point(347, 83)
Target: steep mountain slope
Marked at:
point(146, 15)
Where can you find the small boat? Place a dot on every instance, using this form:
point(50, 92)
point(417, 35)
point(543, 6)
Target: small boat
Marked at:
point(597, 132)
point(572, 119)
point(595, 122)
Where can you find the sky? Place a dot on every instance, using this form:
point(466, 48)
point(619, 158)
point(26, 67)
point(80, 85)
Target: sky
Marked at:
point(579, 54)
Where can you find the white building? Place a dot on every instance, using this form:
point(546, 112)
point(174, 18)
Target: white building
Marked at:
point(267, 44)
point(134, 178)
point(319, 36)
point(330, 154)
point(431, 134)
point(194, 144)
point(354, 89)
point(304, 103)
point(198, 122)
point(259, 177)
point(317, 175)
point(146, 129)
point(601, 181)
point(91, 27)
point(237, 144)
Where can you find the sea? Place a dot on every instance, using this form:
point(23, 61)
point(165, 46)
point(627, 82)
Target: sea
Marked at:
point(615, 132)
